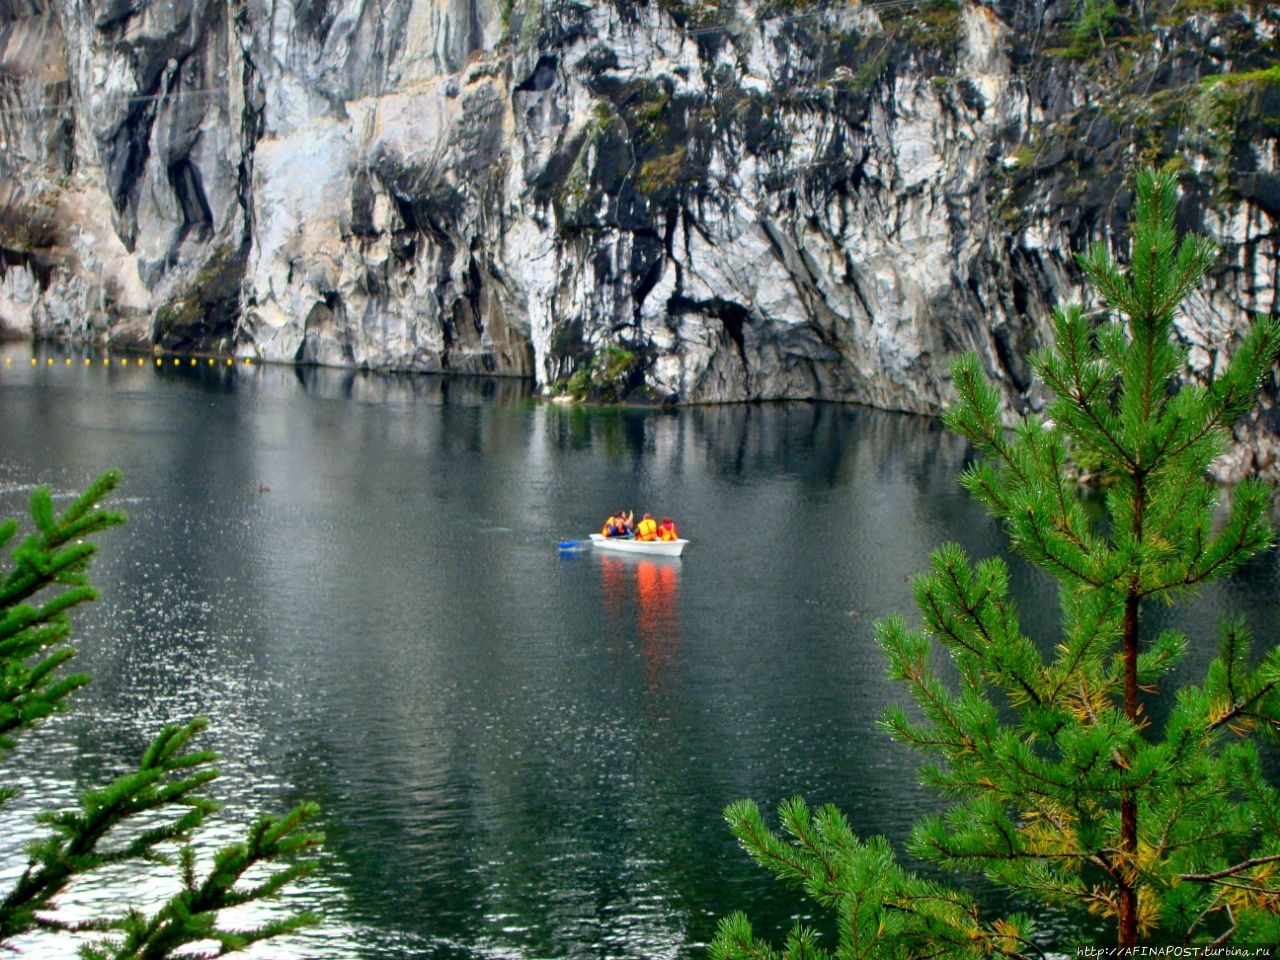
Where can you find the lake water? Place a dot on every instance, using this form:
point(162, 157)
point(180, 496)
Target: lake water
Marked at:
point(519, 751)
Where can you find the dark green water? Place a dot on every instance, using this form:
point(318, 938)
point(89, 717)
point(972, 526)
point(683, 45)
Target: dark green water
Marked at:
point(519, 752)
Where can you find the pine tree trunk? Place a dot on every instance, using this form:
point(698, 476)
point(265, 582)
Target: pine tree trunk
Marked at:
point(1128, 906)
point(1128, 933)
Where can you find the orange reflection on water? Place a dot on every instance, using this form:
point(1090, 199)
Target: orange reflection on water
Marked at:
point(649, 590)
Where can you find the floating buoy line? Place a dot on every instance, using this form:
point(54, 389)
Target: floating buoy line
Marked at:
point(163, 360)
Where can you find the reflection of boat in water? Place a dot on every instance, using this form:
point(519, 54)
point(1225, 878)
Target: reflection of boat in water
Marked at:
point(644, 589)
point(655, 548)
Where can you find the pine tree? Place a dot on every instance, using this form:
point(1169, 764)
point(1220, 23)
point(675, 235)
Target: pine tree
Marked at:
point(145, 817)
point(1065, 792)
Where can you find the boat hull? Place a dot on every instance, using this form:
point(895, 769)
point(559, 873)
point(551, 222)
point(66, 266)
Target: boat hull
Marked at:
point(654, 548)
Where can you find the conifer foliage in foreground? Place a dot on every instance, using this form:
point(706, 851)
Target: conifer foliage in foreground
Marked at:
point(1064, 792)
point(144, 818)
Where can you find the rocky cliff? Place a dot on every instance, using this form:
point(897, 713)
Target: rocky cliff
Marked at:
point(672, 200)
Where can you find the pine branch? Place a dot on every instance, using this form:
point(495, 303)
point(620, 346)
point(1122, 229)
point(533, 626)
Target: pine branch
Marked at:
point(735, 940)
point(192, 915)
point(1033, 534)
point(1087, 635)
point(141, 814)
point(1245, 533)
point(38, 563)
point(166, 778)
point(31, 635)
point(1082, 386)
point(1231, 871)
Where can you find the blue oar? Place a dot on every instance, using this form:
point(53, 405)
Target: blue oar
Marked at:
point(574, 544)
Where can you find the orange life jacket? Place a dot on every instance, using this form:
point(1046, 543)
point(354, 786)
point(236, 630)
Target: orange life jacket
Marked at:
point(668, 532)
point(648, 529)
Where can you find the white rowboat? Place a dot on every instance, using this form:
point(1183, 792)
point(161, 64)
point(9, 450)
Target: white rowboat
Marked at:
point(660, 548)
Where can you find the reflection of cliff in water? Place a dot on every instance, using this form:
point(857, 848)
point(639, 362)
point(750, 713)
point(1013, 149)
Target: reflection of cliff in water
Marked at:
point(814, 442)
point(370, 386)
point(811, 441)
point(221, 375)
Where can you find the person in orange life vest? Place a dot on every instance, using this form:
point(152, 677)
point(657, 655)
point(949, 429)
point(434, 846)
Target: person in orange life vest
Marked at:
point(648, 529)
point(618, 525)
point(667, 530)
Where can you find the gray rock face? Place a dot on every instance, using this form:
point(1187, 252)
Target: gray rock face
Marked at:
point(731, 200)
